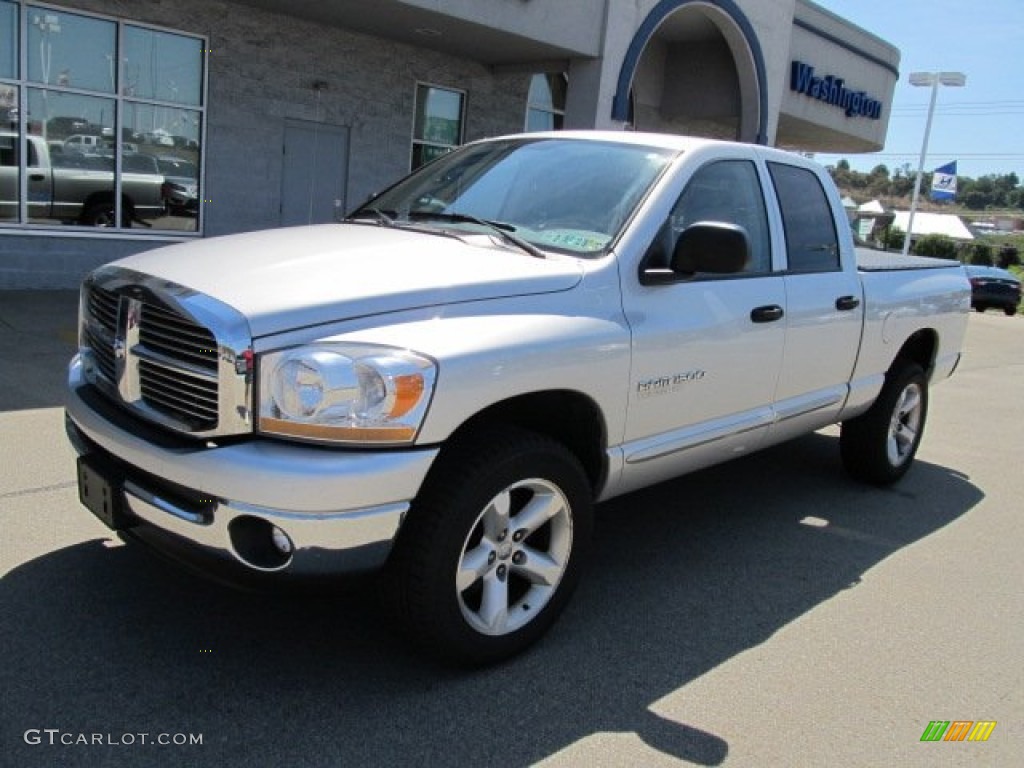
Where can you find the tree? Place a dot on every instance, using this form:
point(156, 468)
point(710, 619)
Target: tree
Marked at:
point(893, 239)
point(980, 254)
point(878, 182)
point(974, 199)
point(939, 246)
point(985, 193)
point(903, 170)
point(902, 185)
point(1008, 257)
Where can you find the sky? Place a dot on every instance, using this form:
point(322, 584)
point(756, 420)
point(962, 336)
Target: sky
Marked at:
point(981, 125)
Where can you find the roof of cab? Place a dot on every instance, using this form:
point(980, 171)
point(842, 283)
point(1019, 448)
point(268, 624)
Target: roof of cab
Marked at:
point(661, 140)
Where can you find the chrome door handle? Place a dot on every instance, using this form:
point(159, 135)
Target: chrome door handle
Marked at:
point(767, 314)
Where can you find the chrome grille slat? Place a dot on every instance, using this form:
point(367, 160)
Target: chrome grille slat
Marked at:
point(201, 391)
point(184, 406)
point(180, 398)
point(103, 305)
point(103, 353)
point(158, 320)
point(176, 337)
point(157, 317)
point(176, 364)
point(185, 411)
point(156, 337)
point(176, 398)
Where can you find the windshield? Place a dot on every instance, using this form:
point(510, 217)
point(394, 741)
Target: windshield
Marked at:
point(172, 166)
point(565, 195)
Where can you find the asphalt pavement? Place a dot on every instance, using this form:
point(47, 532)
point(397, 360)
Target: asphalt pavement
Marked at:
point(768, 612)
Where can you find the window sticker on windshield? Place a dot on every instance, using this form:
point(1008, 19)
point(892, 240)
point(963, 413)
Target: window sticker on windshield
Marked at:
point(576, 241)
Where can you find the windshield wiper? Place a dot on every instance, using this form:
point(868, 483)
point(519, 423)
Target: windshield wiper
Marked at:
point(383, 217)
point(503, 230)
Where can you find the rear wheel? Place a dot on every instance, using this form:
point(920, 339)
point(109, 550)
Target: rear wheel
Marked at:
point(879, 446)
point(1010, 311)
point(493, 546)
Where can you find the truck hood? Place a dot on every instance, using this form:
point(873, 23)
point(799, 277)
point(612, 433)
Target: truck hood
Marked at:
point(296, 277)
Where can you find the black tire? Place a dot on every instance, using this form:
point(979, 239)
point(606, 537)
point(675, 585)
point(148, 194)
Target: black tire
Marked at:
point(1009, 311)
point(879, 446)
point(456, 530)
point(102, 214)
point(98, 215)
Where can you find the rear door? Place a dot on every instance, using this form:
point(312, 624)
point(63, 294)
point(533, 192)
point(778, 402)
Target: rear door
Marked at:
point(824, 303)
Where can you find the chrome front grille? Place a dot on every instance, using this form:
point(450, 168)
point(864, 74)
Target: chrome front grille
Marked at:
point(146, 348)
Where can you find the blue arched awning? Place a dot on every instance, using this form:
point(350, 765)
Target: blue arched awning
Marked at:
point(665, 8)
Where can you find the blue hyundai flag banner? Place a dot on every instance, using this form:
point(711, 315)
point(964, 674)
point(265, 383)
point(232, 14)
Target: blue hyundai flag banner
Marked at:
point(944, 182)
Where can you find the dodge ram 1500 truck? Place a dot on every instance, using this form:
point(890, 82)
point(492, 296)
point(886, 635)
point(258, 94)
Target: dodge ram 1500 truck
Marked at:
point(440, 387)
point(78, 189)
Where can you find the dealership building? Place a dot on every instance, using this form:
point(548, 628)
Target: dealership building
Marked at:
point(128, 124)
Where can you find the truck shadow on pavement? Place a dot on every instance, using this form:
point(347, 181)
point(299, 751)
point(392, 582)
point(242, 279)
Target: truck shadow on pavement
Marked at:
point(102, 639)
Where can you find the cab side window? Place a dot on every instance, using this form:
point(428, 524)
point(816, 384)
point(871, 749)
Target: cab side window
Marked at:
point(811, 242)
point(724, 191)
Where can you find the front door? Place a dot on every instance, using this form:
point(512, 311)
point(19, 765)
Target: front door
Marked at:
point(706, 350)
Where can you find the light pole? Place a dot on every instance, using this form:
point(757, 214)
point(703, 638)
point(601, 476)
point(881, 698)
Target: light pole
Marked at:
point(933, 79)
point(48, 25)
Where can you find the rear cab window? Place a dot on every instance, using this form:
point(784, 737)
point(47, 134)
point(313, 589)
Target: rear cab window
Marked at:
point(811, 241)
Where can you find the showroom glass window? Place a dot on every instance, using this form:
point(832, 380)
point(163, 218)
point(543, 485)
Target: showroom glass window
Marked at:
point(545, 105)
point(437, 127)
point(101, 122)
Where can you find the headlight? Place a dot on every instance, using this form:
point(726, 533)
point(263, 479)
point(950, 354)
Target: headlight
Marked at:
point(345, 393)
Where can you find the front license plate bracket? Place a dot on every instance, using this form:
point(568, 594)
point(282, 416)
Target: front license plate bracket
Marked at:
point(102, 493)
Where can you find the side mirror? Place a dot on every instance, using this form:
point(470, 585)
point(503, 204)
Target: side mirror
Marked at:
point(713, 247)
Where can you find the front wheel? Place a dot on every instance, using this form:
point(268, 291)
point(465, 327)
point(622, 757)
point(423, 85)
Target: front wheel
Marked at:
point(102, 214)
point(99, 215)
point(1009, 311)
point(879, 446)
point(492, 547)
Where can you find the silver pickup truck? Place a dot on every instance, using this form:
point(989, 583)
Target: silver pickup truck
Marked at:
point(442, 386)
point(78, 188)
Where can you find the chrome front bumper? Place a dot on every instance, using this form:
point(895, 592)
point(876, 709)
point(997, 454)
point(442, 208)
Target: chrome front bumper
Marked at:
point(271, 506)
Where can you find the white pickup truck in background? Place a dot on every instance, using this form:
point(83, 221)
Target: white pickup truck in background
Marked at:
point(443, 385)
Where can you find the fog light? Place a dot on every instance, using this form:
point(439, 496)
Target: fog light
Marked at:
point(281, 541)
